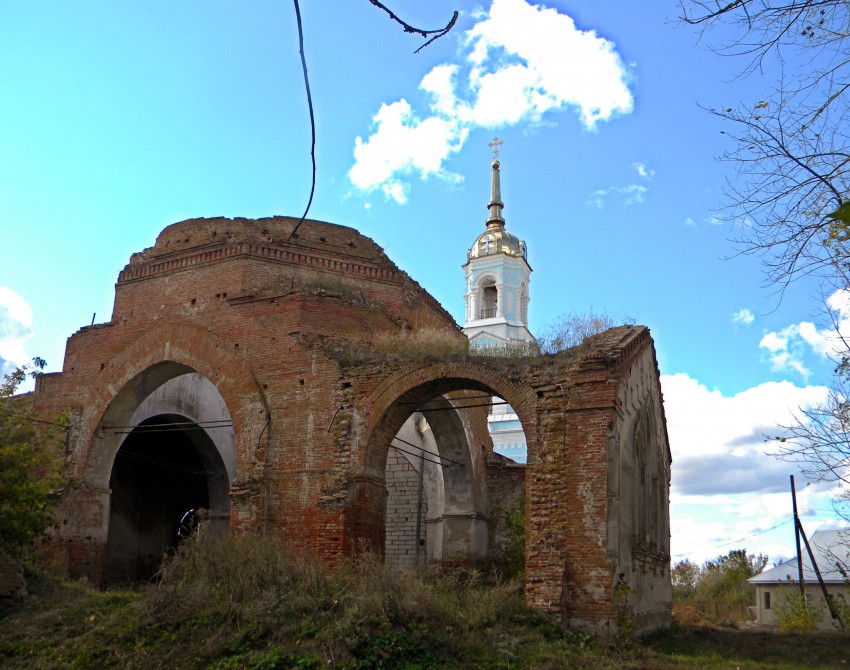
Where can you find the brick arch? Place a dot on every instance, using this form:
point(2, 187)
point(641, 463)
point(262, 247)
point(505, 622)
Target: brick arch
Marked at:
point(158, 355)
point(424, 381)
point(388, 406)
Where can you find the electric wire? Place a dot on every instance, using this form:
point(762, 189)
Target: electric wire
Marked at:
point(161, 463)
point(34, 420)
point(743, 539)
point(411, 453)
point(416, 446)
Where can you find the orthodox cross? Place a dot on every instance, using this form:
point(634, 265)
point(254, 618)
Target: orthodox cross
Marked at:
point(495, 144)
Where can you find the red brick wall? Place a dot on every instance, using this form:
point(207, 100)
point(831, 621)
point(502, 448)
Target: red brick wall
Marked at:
point(233, 300)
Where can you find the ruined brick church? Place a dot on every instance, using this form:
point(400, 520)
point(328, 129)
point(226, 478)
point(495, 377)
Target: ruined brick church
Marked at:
point(241, 372)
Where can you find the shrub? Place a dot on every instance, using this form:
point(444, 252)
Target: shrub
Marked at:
point(30, 465)
point(797, 612)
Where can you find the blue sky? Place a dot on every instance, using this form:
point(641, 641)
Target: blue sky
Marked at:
point(117, 119)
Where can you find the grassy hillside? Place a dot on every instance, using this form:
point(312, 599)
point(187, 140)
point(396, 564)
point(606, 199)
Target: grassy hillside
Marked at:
point(245, 603)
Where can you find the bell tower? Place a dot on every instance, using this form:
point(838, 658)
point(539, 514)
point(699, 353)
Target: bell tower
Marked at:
point(497, 276)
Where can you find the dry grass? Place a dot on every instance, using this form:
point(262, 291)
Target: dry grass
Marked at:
point(248, 603)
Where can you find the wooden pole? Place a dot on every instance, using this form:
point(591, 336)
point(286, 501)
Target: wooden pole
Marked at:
point(797, 537)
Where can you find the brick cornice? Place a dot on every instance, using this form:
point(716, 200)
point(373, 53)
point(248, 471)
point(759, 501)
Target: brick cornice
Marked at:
point(138, 270)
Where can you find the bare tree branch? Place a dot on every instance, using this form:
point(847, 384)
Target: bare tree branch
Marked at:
point(436, 34)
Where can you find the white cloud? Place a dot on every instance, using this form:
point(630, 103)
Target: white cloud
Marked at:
point(727, 454)
point(15, 329)
point(726, 486)
point(558, 65)
point(631, 194)
point(518, 62)
point(690, 223)
point(425, 143)
point(644, 171)
point(744, 316)
point(787, 348)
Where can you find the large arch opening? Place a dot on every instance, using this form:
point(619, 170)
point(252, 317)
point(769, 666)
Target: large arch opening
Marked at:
point(166, 447)
point(433, 451)
point(166, 471)
point(436, 504)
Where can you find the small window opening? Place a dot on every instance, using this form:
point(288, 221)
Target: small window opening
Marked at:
point(767, 600)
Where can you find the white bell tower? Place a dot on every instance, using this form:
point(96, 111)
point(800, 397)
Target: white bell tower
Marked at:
point(497, 278)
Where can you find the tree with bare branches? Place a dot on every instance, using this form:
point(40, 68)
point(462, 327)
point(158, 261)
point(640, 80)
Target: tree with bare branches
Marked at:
point(791, 194)
point(789, 146)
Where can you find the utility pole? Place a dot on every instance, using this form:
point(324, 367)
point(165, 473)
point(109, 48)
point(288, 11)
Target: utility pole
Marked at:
point(797, 538)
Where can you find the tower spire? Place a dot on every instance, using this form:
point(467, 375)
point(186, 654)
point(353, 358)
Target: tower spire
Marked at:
point(496, 204)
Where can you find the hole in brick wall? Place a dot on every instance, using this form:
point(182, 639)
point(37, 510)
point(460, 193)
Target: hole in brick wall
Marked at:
point(322, 239)
point(186, 240)
point(236, 346)
point(540, 394)
point(265, 232)
point(218, 295)
point(215, 232)
point(224, 295)
point(102, 365)
point(265, 386)
point(301, 382)
point(193, 301)
point(351, 244)
point(346, 385)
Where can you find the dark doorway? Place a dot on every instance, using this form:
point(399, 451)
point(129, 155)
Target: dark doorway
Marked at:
point(162, 470)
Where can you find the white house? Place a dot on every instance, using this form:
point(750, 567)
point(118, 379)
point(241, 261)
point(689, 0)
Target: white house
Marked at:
point(832, 554)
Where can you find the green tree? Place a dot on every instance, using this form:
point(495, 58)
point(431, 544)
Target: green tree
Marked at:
point(685, 576)
point(725, 578)
point(29, 467)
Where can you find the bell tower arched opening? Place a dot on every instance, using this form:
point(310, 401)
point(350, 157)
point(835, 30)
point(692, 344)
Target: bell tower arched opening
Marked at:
point(489, 300)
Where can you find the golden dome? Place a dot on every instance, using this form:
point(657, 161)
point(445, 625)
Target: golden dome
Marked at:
point(496, 240)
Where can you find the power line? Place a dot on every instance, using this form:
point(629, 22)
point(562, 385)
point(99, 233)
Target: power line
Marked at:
point(743, 539)
point(416, 446)
point(34, 420)
point(161, 463)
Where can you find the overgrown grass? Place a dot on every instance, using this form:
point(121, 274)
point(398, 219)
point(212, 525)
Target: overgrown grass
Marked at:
point(248, 603)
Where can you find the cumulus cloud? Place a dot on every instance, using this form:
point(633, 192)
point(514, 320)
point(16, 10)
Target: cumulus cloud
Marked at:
point(518, 62)
point(786, 349)
point(628, 195)
point(726, 486)
point(743, 316)
point(15, 329)
point(728, 453)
